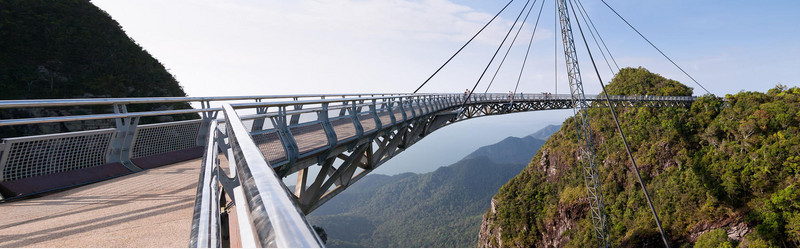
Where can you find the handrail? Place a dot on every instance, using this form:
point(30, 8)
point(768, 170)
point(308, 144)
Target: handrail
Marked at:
point(206, 199)
point(146, 100)
point(276, 219)
point(386, 97)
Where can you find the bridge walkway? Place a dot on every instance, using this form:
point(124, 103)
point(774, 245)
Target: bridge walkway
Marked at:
point(152, 208)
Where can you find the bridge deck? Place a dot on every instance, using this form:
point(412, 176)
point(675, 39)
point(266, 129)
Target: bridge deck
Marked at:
point(152, 208)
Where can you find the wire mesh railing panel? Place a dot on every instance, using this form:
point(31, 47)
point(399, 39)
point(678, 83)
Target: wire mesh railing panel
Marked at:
point(41, 155)
point(398, 115)
point(344, 128)
point(385, 117)
point(368, 122)
point(271, 146)
point(309, 137)
point(162, 138)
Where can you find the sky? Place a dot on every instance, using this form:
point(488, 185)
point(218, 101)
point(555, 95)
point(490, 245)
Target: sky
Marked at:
point(268, 47)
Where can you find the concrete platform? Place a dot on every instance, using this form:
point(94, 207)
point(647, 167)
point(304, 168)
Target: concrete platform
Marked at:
point(152, 208)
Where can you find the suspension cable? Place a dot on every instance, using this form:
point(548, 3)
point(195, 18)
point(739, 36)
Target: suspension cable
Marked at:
point(580, 4)
point(622, 134)
point(509, 48)
point(496, 51)
point(583, 16)
point(529, 48)
point(654, 46)
point(462, 47)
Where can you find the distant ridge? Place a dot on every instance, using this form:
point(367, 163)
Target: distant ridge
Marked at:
point(511, 150)
point(546, 132)
point(514, 149)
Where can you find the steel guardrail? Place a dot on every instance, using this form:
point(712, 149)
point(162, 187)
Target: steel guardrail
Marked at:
point(475, 97)
point(205, 225)
point(269, 217)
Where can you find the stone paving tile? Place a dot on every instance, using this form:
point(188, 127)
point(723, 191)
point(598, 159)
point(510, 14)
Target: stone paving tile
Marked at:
point(152, 208)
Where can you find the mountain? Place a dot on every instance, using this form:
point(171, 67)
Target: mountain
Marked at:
point(72, 49)
point(511, 150)
point(723, 173)
point(438, 209)
point(546, 132)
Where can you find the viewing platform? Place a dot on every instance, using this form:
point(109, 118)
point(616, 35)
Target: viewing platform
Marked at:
point(151, 208)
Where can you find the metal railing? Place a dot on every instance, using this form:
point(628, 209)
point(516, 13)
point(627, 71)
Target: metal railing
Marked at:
point(267, 214)
point(35, 155)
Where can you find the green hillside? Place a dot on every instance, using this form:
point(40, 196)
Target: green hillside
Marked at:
point(438, 209)
point(721, 173)
point(72, 49)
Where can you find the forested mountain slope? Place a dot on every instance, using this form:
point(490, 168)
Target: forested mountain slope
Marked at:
point(438, 209)
point(721, 173)
point(72, 49)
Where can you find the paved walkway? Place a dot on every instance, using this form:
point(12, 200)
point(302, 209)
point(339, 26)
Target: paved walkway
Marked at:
point(147, 209)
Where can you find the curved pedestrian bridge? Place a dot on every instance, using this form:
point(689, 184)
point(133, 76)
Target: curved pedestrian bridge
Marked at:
point(155, 198)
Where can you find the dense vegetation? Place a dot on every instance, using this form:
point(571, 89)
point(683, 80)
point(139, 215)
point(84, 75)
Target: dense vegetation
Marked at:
point(721, 173)
point(72, 49)
point(438, 209)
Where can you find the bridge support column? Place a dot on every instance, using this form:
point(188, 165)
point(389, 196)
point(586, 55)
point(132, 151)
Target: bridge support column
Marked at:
point(122, 141)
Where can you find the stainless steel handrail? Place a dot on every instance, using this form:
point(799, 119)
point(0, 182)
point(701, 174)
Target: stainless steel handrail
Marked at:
point(203, 233)
point(385, 97)
point(276, 220)
point(146, 100)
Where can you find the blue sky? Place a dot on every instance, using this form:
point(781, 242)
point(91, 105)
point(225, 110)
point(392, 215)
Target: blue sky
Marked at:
point(345, 46)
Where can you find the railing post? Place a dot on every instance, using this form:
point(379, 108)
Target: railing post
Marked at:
point(343, 111)
point(358, 109)
point(258, 124)
point(330, 133)
point(402, 108)
point(205, 123)
point(3, 159)
point(427, 102)
point(289, 144)
point(390, 104)
point(295, 119)
point(356, 122)
point(374, 111)
point(122, 141)
point(411, 106)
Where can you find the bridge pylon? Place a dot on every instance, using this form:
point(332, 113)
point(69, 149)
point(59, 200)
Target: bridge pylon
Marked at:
point(586, 148)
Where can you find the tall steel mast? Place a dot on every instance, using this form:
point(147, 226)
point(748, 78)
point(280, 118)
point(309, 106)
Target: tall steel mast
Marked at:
point(586, 149)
